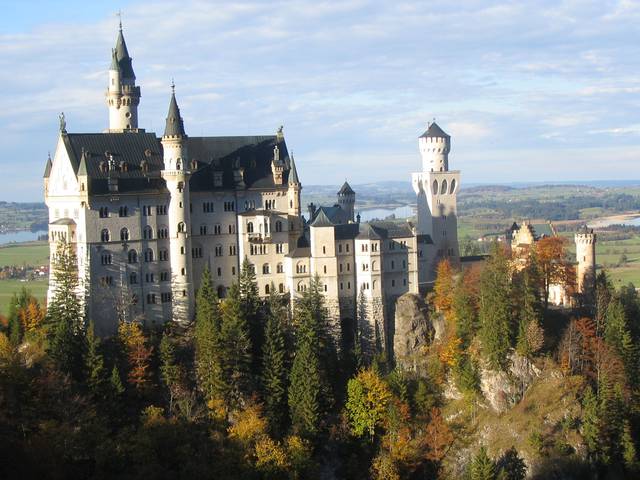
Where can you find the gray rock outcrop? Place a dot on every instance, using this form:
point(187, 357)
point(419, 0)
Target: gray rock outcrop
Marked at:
point(412, 331)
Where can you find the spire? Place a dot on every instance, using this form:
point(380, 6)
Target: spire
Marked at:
point(122, 56)
point(82, 168)
point(434, 130)
point(114, 61)
point(293, 173)
point(174, 126)
point(322, 220)
point(346, 189)
point(47, 168)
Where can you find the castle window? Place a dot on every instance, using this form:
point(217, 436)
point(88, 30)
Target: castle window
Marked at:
point(233, 270)
point(151, 298)
point(217, 229)
point(104, 212)
point(218, 251)
point(365, 267)
point(232, 250)
point(340, 267)
point(324, 249)
point(348, 267)
point(124, 234)
point(347, 247)
point(133, 278)
point(393, 283)
point(453, 186)
point(207, 207)
point(404, 264)
point(249, 227)
point(161, 209)
point(196, 252)
point(266, 269)
point(194, 164)
point(339, 248)
point(221, 291)
point(181, 227)
point(281, 288)
point(164, 276)
point(163, 232)
point(280, 268)
point(163, 255)
point(103, 167)
point(278, 226)
point(183, 271)
point(229, 206)
point(324, 269)
point(443, 188)
point(146, 210)
point(393, 264)
point(404, 282)
point(252, 268)
point(341, 286)
point(434, 187)
point(266, 289)
point(165, 297)
point(124, 166)
point(123, 211)
point(148, 255)
point(179, 167)
point(203, 229)
point(325, 288)
point(132, 256)
point(279, 248)
point(105, 259)
point(180, 186)
point(149, 278)
point(106, 281)
point(181, 250)
point(147, 233)
point(232, 229)
point(104, 235)
point(374, 266)
point(219, 271)
point(349, 285)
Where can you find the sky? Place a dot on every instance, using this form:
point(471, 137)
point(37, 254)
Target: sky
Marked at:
point(529, 91)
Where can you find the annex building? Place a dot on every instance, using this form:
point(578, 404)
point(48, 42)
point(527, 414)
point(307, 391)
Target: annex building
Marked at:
point(146, 215)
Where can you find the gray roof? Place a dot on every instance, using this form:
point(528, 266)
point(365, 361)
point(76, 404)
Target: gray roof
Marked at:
point(346, 190)
point(335, 214)
point(392, 229)
point(367, 232)
point(174, 126)
point(114, 61)
point(47, 168)
point(142, 154)
point(63, 221)
point(293, 177)
point(82, 168)
point(123, 58)
point(346, 231)
point(434, 130)
point(321, 220)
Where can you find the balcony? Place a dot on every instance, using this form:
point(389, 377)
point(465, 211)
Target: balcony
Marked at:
point(259, 237)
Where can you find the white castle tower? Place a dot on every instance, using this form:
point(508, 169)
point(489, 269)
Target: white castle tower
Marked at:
point(436, 187)
point(585, 241)
point(176, 175)
point(123, 96)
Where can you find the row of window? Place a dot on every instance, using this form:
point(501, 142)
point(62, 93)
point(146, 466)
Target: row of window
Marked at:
point(278, 227)
point(123, 211)
point(163, 232)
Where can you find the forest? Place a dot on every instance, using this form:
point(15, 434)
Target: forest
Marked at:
point(253, 389)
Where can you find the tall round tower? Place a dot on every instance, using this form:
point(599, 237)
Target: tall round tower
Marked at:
point(347, 200)
point(123, 96)
point(434, 145)
point(585, 241)
point(176, 176)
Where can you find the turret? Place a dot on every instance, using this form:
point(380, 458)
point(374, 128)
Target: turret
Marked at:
point(293, 193)
point(434, 146)
point(347, 200)
point(585, 241)
point(123, 96)
point(176, 176)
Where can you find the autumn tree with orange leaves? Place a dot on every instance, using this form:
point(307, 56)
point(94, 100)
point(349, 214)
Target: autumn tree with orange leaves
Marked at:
point(138, 355)
point(554, 265)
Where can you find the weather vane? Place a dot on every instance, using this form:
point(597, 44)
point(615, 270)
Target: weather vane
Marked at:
point(63, 122)
point(119, 15)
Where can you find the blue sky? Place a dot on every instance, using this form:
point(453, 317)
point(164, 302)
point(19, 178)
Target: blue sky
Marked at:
point(529, 91)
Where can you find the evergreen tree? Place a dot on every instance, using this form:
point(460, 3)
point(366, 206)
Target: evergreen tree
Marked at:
point(511, 466)
point(463, 306)
point(169, 370)
point(530, 335)
point(482, 467)
point(65, 315)
point(590, 423)
point(115, 382)
point(274, 368)
point(235, 351)
point(496, 329)
point(250, 309)
point(17, 306)
point(94, 363)
point(15, 330)
point(629, 453)
point(207, 338)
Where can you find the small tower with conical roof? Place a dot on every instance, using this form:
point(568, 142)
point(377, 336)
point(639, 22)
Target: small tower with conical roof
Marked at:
point(347, 200)
point(123, 96)
point(176, 176)
point(585, 241)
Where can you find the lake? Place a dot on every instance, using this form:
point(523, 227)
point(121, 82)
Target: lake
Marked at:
point(21, 236)
point(404, 211)
point(605, 222)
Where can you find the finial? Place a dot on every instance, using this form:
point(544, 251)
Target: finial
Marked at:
point(173, 87)
point(49, 156)
point(119, 15)
point(63, 123)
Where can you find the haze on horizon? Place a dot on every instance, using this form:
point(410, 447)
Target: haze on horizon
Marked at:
point(535, 91)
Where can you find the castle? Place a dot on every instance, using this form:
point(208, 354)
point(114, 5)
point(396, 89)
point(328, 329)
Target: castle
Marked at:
point(146, 215)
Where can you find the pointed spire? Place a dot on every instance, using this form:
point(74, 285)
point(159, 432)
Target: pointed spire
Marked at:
point(322, 220)
point(47, 168)
point(293, 173)
point(82, 168)
point(346, 189)
point(114, 61)
point(122, 56)
point(174, 126)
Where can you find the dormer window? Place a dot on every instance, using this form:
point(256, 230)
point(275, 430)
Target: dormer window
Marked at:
point(103, 167)
point(144, 166)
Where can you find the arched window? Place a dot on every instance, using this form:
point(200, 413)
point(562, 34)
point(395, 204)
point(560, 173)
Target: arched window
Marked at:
point(178, 165)
point(148, 255)
point(281, 288)
point(249, 227)
point(278, 226)
point(104, 235)
point(374, 265)
point(124, 234)
point(163, 232)
point(443, 188)
point(133, 278)
point(434, 187)
point(453, 186)
point(266, 269)
point(266, 289)
point(163, 255)
point(181, 227)
point(105, 259)
point(133, 256)
point(280, 268)
point(221, 291)
point(180, 187)
point(147, 233)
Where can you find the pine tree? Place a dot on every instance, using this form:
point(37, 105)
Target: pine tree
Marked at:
point(65, 316)
point(511, 466)
point(207, 338)
point(464, 311)
point(629, 453)
point(496, 330)
point(15, 330)
point(274, 368)
point(169, 370)
point(17, 308)
point(530, 337)
point(590, 422)
point(482, 467)
point(94, 363)
point(235, 351)
point(250, 307)
point(115, 382)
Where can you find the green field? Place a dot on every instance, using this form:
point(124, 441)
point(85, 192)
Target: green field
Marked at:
point(38, 289)
point(33, 253)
